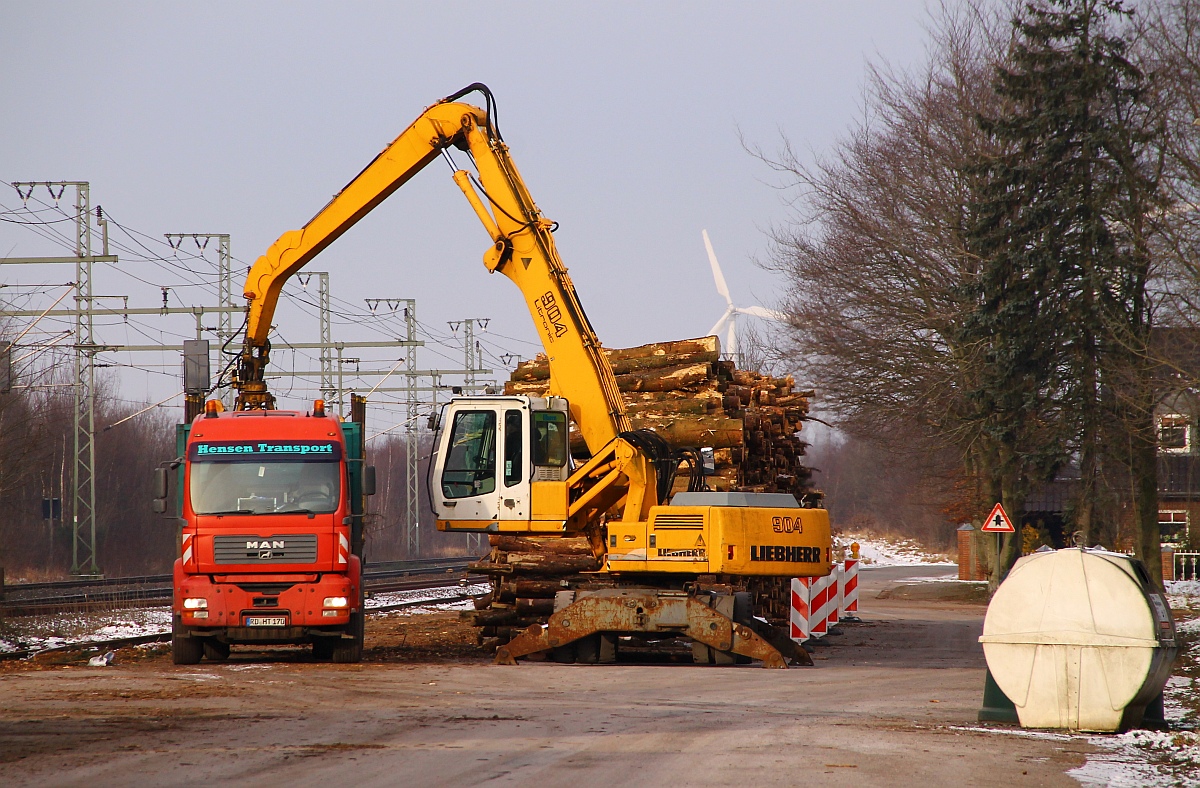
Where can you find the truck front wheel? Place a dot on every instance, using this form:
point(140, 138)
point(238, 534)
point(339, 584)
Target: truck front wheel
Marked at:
point(322, 648)
point(185, 650)
point(351, 649)
point(215, 650)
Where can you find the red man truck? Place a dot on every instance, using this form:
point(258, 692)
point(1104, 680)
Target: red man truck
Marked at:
point(270, 508)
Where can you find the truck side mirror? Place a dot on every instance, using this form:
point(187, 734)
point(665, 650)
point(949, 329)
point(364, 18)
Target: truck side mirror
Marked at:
point(435, 421)
point(369, 480)
point(162, 480)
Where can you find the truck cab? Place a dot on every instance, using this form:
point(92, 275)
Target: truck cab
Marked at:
point(270, 506)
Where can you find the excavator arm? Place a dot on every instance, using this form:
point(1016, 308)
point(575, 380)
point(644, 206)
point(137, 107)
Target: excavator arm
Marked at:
point(522, 249)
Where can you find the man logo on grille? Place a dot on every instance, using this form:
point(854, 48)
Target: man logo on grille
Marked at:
point(255, 544)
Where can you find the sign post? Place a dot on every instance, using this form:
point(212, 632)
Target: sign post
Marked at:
point(999, 524)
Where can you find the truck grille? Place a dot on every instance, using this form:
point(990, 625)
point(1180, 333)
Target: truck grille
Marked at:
point(679, 521)
point(289, 549)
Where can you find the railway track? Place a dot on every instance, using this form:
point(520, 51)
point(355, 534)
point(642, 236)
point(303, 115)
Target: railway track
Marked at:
point(164, 636)
point(32, 599)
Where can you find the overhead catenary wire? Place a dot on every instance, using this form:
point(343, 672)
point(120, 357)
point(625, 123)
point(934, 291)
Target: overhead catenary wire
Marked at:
point(191, 270)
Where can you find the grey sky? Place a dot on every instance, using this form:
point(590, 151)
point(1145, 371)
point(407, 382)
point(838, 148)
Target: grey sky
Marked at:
point(623, 118)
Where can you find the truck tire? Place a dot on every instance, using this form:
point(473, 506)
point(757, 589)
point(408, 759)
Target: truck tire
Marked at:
point(185, 650)
point(215, 650)
point(348, 650)
point(323, 648)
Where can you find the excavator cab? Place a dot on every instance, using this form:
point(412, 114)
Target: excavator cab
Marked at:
point(500, 461)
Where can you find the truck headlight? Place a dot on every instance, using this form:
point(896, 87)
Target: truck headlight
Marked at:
point(335, 601)
point(195, 603)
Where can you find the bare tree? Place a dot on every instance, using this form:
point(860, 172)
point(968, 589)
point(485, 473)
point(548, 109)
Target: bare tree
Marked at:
point(876, 254)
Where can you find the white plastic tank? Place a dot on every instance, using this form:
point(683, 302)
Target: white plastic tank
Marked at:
point(1079, 639)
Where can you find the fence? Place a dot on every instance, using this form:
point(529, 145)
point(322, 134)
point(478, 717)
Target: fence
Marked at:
point(1186, 566)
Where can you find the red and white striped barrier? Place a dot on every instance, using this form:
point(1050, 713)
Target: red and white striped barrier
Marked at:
point(800, 609)
point(810, 612)
point(820, 602)
point(835, 595)
point(850, 591)
point(828, 607)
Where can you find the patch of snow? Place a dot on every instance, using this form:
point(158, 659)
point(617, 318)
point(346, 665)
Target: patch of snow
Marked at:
point(399, 597)
point(1022, 732)
point(953, 578)
point(1179, 700)
point(1183, 594)
point(37, 633)
point(1141, 758)
point(1137, 759)
point(895, 552)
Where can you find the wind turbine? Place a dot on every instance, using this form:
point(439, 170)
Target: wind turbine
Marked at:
point(728, 322)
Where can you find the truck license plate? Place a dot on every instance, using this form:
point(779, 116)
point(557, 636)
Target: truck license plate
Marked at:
point(266, 621)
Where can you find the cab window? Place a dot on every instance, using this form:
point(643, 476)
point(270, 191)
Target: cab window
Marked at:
point(470, 467)
point(513, 437)
point(550, 438)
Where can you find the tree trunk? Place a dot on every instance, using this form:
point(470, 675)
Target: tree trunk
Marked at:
point(1014, 503)
point(1143, 468)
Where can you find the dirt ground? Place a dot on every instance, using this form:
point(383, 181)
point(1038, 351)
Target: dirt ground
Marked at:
point(890, 701)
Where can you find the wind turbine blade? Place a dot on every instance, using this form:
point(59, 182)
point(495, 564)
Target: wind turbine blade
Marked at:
point(731, 347)
point(718, 277)
point(719, 327)
point(764, 313)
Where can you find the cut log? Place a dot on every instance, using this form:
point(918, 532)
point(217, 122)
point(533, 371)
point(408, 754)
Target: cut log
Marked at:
point(672, 407)
point(524, 544)
point(495, 617)
point(549, 564)
point(538, 589)
point(715, 431)
point(535, 607)
point(626, 360)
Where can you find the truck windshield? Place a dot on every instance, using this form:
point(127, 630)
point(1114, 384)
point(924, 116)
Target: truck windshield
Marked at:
point(224, 479)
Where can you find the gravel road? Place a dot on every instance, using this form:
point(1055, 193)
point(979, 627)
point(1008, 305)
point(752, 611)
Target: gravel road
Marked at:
point(891, 701)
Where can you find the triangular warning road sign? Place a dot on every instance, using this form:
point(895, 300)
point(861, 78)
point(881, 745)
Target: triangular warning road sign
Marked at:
point(997, 522)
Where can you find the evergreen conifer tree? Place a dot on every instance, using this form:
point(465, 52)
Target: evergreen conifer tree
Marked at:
point(1061, 323)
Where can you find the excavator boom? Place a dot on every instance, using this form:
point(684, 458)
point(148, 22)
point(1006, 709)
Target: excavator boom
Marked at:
point(523, 250)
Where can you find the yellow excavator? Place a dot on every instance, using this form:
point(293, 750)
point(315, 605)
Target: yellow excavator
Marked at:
point(666, 568)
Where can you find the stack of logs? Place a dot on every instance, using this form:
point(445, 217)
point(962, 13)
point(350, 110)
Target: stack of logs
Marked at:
point(686, 394)
point(683, 392)
point(526, 573)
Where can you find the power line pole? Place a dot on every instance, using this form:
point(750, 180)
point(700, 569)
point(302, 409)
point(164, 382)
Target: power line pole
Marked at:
point(412, 476)
point(412, 509)
point(326, 347)
point(473, 358)
point(85, 392)
point(83, 470)
point(328, 389)
point(224, 294)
